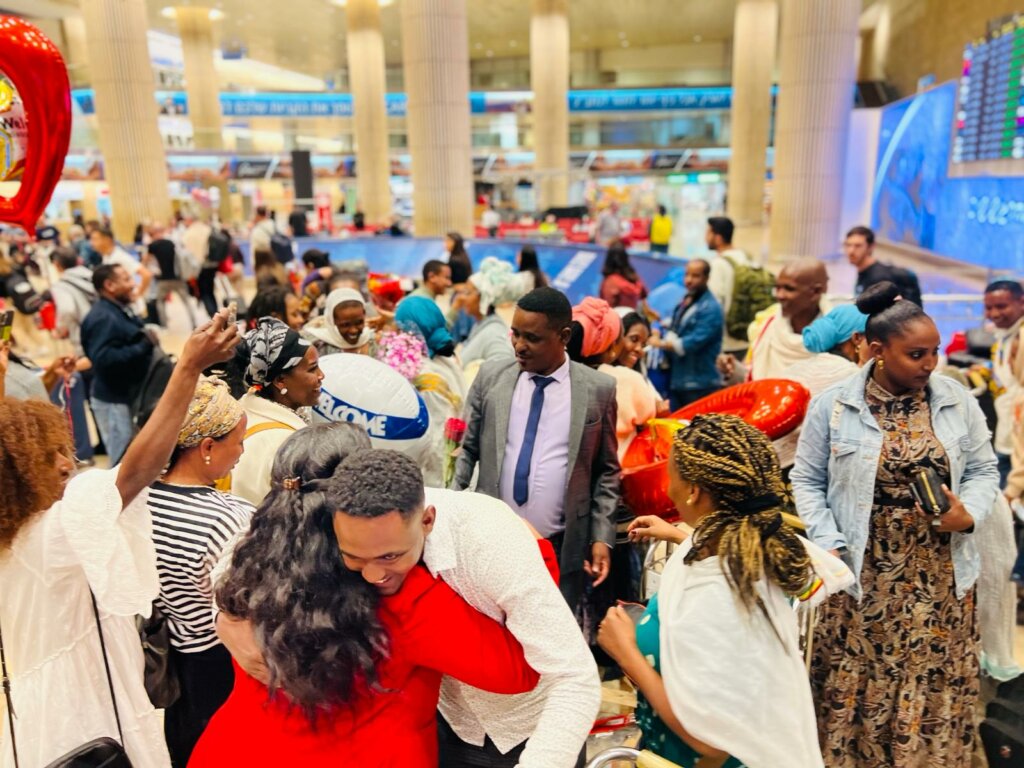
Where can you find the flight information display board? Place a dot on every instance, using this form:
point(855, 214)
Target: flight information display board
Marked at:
point(990, 110)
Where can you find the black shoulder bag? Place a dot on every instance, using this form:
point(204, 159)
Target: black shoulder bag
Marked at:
point(102, 752)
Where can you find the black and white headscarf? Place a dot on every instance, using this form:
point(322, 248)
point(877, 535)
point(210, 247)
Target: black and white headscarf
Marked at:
point(273, 349)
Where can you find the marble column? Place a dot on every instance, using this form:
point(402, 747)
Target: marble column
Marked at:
point(201, 84)
point(435, 60)
point(369, 114)
point(753, 67)
point(549, 78)
point(126, 112)
point(817, 67)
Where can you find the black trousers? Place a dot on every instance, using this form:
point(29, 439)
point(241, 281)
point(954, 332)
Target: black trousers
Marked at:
point(206, 679)
point(205, 282)
point(455, 753)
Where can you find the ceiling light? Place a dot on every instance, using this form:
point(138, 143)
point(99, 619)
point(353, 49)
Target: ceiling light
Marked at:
point(171, 12)
point(490, 54)
point(513, 43)
point(216, 14)
point(697, 38)
point(168, 12)
point(622, 35)
point(625, 43)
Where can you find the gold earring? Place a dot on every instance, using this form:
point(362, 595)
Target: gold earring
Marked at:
point(689, 500)
point(206, 459)
point(881, 364)
point(284, 390)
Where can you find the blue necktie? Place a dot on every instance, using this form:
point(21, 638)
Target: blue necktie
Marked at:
point(521, 484)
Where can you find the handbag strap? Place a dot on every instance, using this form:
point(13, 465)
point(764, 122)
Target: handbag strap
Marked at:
point(7, 696)
point(106, 666)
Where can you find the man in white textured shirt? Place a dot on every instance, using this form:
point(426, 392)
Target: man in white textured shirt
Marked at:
point(723, 275)
point(488, 556)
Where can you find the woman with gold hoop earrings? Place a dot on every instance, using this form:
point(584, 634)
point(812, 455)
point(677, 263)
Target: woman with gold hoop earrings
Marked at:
point(193, 523)
point(895, 667)
point(282, 372)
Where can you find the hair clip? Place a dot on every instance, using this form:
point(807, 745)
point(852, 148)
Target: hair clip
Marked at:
point(291, 483)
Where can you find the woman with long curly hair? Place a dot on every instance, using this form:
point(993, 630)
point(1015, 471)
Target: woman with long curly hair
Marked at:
point(716, 655)
point(353, 668)
point(77, 563)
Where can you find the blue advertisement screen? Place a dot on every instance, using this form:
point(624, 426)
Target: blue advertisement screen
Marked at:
point(978, 219)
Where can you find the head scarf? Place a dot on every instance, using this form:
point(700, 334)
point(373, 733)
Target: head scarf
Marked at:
point(422, 315)
point(273, 349)
point(323, 327)
point(602, 326)
point(213, 412)
point(496, 282)
point(831, 330)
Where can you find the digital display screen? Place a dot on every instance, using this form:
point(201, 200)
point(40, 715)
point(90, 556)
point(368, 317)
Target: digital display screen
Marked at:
point(990, 109)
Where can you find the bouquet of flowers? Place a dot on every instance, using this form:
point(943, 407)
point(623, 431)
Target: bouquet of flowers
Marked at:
point(454, 431)
point(402, 352)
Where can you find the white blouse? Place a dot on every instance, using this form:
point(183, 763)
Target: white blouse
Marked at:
point(58, 683)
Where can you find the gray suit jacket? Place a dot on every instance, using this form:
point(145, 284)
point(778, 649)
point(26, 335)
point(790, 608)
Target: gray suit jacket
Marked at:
point(593, 491)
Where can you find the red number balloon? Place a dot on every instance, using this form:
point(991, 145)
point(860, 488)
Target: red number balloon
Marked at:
point(36, 70)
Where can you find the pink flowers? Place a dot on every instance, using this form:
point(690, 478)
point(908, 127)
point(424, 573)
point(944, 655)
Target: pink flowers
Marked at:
point(402, 352)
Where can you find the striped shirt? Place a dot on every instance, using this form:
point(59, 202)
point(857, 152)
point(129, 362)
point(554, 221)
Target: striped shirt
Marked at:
point(192, 525)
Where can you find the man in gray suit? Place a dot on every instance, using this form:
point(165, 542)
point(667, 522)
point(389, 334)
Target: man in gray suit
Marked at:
point(541, 428)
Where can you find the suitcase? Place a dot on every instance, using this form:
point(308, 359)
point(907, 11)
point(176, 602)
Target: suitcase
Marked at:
point(1002, 732)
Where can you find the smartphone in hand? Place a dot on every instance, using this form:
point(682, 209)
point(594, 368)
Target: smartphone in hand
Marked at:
point(6, 324)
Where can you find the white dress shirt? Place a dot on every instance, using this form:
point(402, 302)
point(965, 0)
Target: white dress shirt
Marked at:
point(549, 465)
point(486, 554)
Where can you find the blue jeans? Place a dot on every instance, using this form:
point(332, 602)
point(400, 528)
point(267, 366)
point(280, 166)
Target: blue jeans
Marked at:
point(114, 421)
point(76, 404)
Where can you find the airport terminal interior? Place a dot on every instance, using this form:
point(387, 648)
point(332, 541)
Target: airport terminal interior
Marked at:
point(539, 383)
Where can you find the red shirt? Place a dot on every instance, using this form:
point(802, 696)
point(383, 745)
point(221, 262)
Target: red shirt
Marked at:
point(433, 632)
point(620, 292)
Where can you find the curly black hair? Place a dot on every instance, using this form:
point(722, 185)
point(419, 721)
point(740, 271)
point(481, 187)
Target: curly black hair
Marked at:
point(378, 482)
point(315, 621)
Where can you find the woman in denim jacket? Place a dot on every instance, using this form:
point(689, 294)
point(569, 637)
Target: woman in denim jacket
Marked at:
point(895, 667)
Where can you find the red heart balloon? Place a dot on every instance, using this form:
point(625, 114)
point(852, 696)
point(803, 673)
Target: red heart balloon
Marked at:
point(36, 70)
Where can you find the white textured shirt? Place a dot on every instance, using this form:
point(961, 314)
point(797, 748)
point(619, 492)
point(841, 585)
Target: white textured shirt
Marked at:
point(549, 464)
point(485, 553)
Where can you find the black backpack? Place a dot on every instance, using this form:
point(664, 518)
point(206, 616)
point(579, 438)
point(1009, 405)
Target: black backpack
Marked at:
point(218, 248)
point(1002, 732)
point(161, 366)
point(19, 290)
point(281, 245)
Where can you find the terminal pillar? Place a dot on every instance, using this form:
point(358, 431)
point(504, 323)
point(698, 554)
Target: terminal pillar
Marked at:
point(201, 84)
point(369, 114)
point(126, 112)
point(549, 78)
point(753, 67)
point(435, 53)
point(817, 66)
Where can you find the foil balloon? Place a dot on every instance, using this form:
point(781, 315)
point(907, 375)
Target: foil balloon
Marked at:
point(38, 103)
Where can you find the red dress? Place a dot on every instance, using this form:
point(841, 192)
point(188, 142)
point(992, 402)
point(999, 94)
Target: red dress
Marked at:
point(434, 632)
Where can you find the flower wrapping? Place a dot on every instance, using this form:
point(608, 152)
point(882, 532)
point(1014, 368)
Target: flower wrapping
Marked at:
point(402, 352)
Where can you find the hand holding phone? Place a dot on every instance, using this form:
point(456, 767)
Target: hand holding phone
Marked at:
point(6, 325)
point(232, 313)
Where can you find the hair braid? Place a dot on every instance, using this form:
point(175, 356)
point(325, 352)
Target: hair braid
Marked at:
point(735, 463)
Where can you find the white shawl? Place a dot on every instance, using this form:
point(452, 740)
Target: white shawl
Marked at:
point(729, 679)
point(776, 346)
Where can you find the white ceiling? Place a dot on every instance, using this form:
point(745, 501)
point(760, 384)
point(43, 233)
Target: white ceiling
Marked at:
point(308, 36)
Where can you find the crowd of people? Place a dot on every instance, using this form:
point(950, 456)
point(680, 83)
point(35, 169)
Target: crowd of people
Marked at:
point(325, 599)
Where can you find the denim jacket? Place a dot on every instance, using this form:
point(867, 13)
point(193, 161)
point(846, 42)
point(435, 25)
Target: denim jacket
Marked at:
point(699, 329)
point(837, 462)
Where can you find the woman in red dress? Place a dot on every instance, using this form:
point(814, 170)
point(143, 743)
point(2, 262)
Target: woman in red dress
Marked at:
point(355, 664)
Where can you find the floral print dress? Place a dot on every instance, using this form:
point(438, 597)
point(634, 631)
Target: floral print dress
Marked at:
point(895, 677)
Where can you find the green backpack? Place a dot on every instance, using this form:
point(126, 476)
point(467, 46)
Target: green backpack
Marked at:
point(753, 289)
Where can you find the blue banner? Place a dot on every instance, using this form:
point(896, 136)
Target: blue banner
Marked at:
point(327, 104)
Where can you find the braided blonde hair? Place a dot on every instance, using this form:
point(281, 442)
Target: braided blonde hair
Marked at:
point(736, 464)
